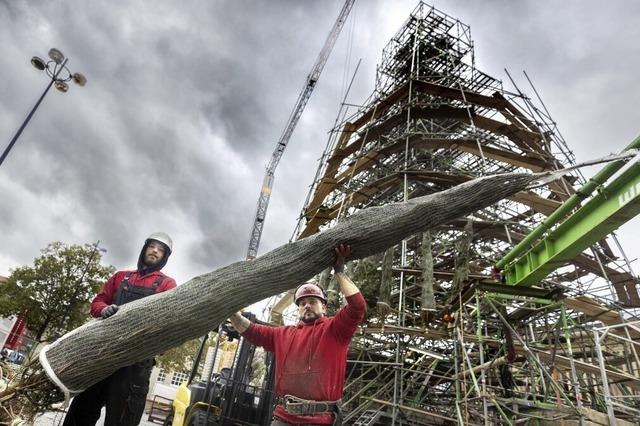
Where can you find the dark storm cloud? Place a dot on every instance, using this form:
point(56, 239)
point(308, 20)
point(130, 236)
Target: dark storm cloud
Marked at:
point(578, 55)
point(185, 102)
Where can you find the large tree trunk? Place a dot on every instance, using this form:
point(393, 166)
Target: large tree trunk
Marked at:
point(149, 326)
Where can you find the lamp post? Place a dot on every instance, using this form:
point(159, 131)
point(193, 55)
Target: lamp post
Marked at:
point(56, 69)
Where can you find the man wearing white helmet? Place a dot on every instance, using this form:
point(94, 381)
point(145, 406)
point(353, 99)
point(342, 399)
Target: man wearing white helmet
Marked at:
point(124, 392)
point(311, 357)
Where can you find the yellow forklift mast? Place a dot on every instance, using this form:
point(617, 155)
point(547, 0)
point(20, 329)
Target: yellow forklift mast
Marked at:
point(226, 397)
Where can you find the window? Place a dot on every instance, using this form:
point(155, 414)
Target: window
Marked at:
point(162, 375)
point(179, 377)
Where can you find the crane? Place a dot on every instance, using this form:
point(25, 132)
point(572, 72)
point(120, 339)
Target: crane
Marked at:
point(296, 112)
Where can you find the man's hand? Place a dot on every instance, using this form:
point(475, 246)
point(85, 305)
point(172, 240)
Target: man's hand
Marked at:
point(342, 252)
point(239, 322)
point(107, 311)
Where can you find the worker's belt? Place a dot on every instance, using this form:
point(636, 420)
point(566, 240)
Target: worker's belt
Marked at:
point(305, 407)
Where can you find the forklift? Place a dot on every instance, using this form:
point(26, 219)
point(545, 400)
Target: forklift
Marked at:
point(226, 398)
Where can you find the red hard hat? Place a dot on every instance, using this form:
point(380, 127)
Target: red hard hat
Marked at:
point(309, 290)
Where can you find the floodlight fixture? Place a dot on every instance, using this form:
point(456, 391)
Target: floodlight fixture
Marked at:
point(56, 69)
point(39, 63)
point(79, 79)
point(62, 86)
point(56, 55)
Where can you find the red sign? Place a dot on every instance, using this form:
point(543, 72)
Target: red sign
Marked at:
point(14, 340)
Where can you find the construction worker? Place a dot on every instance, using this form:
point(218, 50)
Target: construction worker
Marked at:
point(124, 393)
point(311, 356)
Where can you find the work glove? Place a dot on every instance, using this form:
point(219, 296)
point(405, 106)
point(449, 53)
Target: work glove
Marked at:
point(342, 252)
point(107, 311)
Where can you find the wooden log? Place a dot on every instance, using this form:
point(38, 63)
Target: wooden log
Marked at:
point(146, 327)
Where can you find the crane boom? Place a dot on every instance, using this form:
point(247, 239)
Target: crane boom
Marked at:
point(296, 112)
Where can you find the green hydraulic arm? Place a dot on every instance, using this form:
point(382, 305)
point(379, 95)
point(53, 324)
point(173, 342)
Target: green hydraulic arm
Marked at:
point(547, 248)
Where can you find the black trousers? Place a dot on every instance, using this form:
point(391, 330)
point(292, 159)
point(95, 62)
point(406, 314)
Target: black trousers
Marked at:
point(123, 393)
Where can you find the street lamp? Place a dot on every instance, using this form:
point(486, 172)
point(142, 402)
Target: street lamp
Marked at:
point(56, 69)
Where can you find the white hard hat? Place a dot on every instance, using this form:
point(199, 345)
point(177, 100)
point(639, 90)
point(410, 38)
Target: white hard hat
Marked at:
point(163, 237)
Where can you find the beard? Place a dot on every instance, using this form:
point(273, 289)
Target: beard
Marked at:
point(309, 316)
point(149, 261)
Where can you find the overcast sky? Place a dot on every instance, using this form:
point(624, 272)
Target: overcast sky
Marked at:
point(186, 100)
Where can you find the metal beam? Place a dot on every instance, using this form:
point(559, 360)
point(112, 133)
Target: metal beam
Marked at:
point(594, 184)
point(614, 205)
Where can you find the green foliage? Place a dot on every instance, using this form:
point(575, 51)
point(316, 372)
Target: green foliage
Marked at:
point(181, 357)
point(374, 278)
point(366, 276)
point(54, 294)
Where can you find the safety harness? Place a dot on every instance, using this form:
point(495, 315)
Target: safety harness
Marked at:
point(128, 292)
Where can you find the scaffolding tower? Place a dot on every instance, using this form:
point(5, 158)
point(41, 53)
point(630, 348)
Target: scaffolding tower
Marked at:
point(445, 340)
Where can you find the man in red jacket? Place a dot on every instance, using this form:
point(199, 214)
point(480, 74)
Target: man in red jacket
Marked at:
point(124, 393)
point(311, 356)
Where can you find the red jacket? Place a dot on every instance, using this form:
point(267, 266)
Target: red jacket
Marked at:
point(108, 291)
point(311, 358)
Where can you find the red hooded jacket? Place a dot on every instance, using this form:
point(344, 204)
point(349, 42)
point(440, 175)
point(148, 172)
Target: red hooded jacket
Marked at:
point(311, 358)
point(108, 291)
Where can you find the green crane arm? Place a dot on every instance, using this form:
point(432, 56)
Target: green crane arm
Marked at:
point(614, 204)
